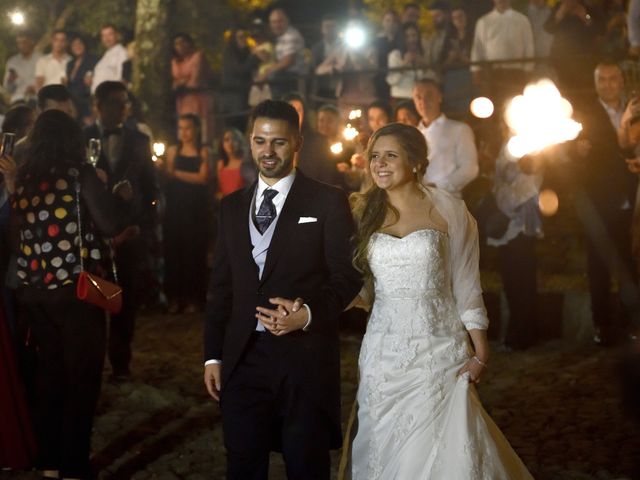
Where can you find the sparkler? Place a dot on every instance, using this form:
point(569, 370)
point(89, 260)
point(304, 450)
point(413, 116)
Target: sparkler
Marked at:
point(337, 148)
point(158, 150)
point(539, 118)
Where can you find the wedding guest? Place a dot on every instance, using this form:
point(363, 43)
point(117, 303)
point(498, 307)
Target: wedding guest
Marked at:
point(289, 52)
point(456, 76)
point(502, 34)
point(538, 12)
point(633, 27)
point(326, 85)
point(70, 333)
point(407, 114)
point(575, 27)
point(330, 124)
point(233, 152)
point(185, 219)
point(516, 187)
point(190, 74)
point(78, 74)
point(409, 55)
point(597, 154)
point(614, 43)
point(55, 97)
point(110, 65)
point(238, 64)
point(51, 69)
point(378, 115)
point(386, 41)
point(314, 158)
point(19, 120)
point(435, 43)
point(126, 158)
point(453, 158)
point(411, 13)
point(264, 50)
point(20, 69)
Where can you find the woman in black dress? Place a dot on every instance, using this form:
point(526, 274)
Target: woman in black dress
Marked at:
point(186, 215)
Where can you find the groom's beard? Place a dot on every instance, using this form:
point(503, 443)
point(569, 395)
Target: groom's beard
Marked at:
point(274, 166)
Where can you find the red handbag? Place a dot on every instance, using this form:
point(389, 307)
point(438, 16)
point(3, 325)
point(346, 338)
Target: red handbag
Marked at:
point(92, 288)
point(99, 292)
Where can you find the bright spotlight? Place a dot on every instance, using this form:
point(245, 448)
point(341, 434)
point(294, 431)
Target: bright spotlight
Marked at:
point(481, 107)
point(159, 148)
point(354, 36)
point(17, 17)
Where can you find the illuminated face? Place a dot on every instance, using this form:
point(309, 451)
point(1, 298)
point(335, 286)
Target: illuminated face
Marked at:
point(377, 118)
point(181, 46)
point(389, 163)
point(59, 43)
point(389, 23)
point(273, 146)
point(109, 37)
point(278, 22)
point(427, 99)
point(77, 47)
point(609, 83)
point(459, 19)
point(411, 38)
point(407, 117)
point(113, 111)
point(328, 123)
point(229, 144)
point(186, 131)
point(25, 45)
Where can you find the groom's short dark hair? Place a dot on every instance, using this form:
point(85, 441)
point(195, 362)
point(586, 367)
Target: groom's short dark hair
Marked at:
point(276, 110)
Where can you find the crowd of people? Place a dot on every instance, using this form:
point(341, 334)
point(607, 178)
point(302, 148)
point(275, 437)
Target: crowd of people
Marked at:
point(147, 221)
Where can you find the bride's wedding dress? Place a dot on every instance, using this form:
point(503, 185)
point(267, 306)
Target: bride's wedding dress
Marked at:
point(416, 420)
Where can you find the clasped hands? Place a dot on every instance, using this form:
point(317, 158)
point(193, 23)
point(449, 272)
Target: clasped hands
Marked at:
point(287, 316)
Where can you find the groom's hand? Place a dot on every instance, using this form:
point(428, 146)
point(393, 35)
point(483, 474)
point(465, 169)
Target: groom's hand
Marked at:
point(287, 317)
point(212, 378)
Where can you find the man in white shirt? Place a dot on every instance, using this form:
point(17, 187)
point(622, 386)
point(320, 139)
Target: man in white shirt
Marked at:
point(20, 70)
point(538, 11)
point(51, 69)
point(502, 34)
point(289, 48)
point(453, 158)
point(109, 67)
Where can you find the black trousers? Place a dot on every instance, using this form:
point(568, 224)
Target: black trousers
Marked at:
point(71, 337)
point(518, 270)
point(263, 411)
point(618, 228)
point(130, 261)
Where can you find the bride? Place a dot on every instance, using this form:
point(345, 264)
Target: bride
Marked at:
point(419, 414)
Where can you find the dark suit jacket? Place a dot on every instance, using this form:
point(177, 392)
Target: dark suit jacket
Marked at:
point(135, 165)
point(308, 260)
point(603, 173)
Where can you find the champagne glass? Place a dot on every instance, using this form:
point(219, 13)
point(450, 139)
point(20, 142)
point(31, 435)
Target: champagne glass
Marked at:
point(93, 151)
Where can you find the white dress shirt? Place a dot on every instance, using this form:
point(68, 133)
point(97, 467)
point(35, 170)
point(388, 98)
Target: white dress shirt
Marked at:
point(453, 158)
point(401, 83)
point(52, 70)
point(25, 70)
point(283, 187)
point(503, 36)
point(109, 67)
point(291, 42)
point(615, 115)
point(538, 16)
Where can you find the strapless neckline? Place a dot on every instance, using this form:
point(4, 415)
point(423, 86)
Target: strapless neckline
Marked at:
point(415, 232)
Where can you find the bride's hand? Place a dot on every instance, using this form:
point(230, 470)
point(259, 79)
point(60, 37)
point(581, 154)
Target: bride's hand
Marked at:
point(475, 367)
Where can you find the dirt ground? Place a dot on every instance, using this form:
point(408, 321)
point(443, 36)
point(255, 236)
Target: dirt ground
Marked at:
point(558, 404)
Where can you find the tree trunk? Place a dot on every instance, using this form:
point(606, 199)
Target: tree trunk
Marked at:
point(152, 64)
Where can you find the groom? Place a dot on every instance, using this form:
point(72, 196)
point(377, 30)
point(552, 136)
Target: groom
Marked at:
point(281, 276)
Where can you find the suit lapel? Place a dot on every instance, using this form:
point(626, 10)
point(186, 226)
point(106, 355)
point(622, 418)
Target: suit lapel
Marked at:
point(241, 222)
point(285, 227)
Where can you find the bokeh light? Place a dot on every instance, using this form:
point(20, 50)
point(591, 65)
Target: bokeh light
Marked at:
point(481, 107)
point(548, 202)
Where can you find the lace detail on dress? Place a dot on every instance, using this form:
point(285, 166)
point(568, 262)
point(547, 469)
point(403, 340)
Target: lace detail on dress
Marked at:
point(475, 319)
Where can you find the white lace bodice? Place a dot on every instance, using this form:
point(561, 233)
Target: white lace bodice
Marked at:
point(412, 284)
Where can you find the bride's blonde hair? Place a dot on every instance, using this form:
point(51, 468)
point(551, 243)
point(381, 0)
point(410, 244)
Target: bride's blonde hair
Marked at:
point(371, 207)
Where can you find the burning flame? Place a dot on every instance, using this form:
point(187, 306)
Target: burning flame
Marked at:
point(350, 132)
point(337, 148)
point(539, 118)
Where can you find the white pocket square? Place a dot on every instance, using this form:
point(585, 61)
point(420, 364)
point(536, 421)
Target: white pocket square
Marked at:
point(307, 220)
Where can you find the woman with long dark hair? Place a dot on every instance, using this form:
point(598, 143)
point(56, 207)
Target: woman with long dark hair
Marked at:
point(70, 334)
point(79, 75)
point(185, 221)
point(419, 415)
point(233, 152)
point(409, 54)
